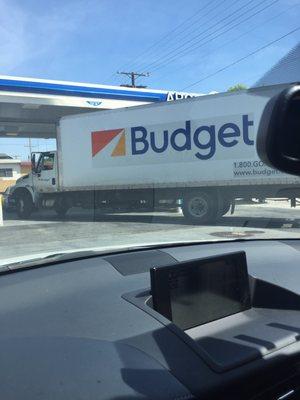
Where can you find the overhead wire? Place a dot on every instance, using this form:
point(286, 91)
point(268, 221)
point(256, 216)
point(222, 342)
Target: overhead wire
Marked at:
point(222, 45)
point(242, 58)
point(202, 43)
point(183, 23)
point(169, 33)
point(211, 27)
point(173, 37)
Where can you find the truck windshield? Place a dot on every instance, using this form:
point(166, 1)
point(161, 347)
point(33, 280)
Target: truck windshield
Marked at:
point(162, 151)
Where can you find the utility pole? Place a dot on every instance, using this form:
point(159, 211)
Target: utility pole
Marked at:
point(133, 76)
point(30, 147)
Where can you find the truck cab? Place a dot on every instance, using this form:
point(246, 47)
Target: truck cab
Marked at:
point(27, 193)
point(44, 171)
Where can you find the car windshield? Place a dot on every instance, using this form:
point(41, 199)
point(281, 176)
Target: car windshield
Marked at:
point(130, 124)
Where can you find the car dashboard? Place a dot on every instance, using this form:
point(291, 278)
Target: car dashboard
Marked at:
point(87, 329)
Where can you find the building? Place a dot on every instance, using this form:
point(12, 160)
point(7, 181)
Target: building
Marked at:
point(25, 167)
point(10, 171)
point(286, 70)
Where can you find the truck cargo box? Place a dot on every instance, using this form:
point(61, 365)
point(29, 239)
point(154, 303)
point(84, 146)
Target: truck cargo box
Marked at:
point(204, 141)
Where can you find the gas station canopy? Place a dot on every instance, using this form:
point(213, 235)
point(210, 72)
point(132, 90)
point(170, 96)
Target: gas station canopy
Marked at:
point(33, 107)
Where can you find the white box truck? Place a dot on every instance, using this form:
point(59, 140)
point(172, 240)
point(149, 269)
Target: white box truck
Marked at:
point(199, 153)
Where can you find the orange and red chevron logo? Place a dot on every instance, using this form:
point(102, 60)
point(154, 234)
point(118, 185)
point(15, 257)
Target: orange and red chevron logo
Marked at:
point(100, 139)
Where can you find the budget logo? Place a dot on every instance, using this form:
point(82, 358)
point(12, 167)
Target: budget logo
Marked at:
point(100, 139)
point(202, 139)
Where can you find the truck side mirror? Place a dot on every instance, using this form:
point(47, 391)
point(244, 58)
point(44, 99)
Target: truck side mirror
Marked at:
point(278, 139)
point(33, 163)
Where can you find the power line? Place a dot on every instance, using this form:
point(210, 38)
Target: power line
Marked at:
point(242, 58)
point(210, 27)
point(166, 36)
point(188, 19)
point(201, 43)
point(133, 76)
point(247, 32)
point(174, 36)
point(193, 47)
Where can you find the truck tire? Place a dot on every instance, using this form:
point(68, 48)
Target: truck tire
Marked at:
point(61, 207)
point(200, 207)
point(24, 204)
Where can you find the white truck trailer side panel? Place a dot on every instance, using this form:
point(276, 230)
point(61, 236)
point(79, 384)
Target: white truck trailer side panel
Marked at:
point(208, 140)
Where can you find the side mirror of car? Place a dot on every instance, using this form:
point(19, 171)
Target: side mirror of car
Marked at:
point(278, 139)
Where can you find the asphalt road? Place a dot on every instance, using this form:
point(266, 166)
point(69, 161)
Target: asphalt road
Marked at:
point(45, 233)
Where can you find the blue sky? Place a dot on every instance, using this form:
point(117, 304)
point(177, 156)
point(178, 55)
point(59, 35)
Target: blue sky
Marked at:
point(178, 42)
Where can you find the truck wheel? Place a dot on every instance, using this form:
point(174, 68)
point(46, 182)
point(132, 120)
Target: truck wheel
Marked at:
point(61, 207)
point(200, 207)
point(24, 205)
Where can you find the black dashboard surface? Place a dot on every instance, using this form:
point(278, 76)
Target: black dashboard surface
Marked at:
point(68, 331)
